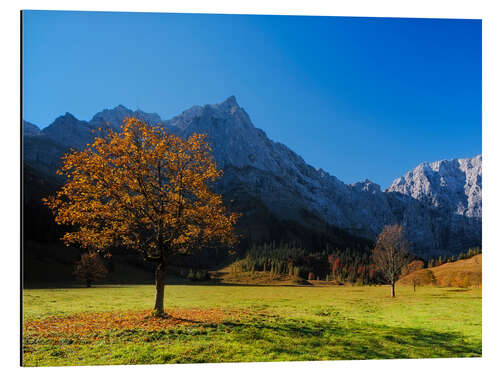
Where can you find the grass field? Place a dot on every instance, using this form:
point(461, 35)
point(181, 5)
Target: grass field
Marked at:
point(219, 323)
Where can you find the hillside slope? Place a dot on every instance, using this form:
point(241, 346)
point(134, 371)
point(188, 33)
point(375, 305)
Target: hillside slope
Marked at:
point(462, 273)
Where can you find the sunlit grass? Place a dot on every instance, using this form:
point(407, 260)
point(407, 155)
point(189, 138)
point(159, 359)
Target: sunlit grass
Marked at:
point(277, 323)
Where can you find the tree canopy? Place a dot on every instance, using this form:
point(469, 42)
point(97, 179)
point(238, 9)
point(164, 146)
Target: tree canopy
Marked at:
point(143, 188)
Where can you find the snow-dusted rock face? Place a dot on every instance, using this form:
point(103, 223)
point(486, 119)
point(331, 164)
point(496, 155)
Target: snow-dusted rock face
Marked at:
point(439, 203)
point(454, 185)
point(234, 139)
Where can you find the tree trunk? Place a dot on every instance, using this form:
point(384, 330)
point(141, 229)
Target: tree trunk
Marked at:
point(160, 289)
point(89, 282)
point(393, 291)
point(414, 286)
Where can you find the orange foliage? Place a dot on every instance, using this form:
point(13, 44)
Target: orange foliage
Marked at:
point(86, 326)
point(143, 188)
point(146, 189)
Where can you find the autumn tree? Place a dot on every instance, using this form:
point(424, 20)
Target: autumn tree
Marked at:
point(390, 254)
point(90, 268)
point(146, 189)
point(410, 270)
point(427, 277)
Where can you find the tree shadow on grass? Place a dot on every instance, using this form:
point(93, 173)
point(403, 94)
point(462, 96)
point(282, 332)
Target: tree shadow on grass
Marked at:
point(336, 341)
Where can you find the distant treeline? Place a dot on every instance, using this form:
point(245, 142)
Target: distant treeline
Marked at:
point(340, 265)
point(463, 255)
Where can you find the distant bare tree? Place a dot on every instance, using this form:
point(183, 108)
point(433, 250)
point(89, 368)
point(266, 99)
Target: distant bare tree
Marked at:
point(410, 270)
point(391, 254)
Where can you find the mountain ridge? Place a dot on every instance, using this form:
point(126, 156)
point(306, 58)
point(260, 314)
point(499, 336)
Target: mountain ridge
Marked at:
point(257, 166)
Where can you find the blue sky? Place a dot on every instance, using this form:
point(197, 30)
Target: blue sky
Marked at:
point(358, 97)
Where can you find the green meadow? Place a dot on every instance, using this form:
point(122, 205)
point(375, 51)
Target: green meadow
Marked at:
point(224, 323)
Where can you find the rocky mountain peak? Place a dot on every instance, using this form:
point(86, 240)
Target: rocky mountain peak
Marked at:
point(114, 117)
point(231, 101)
point(66, 122)
point(67, 118)
point(30, 129)
point(366, 186)
point(229, 105)
point(454, 184)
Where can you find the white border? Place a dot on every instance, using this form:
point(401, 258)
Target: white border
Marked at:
point(9, 225)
